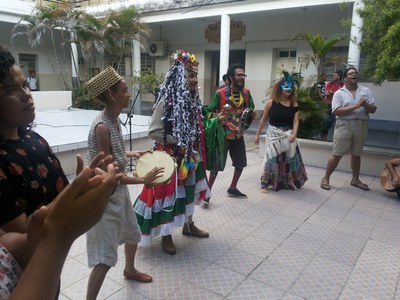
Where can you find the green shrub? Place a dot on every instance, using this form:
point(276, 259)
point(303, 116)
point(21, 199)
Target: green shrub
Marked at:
point(313, 112)
point(82, 99)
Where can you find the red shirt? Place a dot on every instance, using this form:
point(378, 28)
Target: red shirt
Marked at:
point(332, 87)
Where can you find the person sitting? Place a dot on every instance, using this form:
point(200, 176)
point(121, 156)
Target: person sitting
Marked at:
point(392, 166)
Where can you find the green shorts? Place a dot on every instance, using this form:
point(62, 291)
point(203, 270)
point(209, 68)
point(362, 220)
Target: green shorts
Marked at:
point(349, 136)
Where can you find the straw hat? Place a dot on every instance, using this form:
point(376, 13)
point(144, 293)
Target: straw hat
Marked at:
point(102, 81)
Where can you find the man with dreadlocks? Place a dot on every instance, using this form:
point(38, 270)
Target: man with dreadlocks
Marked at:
point(177, 128)
point(227, 105)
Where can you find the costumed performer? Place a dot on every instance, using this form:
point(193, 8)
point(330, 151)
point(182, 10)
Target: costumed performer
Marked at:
point(177, 128)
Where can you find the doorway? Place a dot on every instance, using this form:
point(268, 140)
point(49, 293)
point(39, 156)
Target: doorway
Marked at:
point(27, 63)
point(235, 56)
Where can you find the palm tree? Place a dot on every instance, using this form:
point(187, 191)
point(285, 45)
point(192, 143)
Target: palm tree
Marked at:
point(90, 35)
point(49, 23)
point(320, 46)
point(110, 36)
point(121, 28)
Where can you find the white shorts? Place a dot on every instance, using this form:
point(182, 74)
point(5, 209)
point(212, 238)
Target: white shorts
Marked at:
point(117, 226)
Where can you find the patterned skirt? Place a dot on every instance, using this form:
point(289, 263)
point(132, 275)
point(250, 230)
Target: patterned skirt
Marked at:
point(283, 172)
point(283, 166)
point(161, 208)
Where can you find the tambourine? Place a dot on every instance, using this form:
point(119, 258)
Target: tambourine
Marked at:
point(148, 161)
point(247, 118)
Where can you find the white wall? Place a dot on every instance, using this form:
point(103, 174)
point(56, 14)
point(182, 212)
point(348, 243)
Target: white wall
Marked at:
point(48, 100)
point(387, 100)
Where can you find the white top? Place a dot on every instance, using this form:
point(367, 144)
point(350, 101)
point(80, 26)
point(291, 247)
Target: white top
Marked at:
point(343, 98)
point(32, 83)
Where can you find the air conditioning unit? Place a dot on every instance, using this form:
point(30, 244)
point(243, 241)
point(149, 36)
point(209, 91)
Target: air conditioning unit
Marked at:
point(157, 49)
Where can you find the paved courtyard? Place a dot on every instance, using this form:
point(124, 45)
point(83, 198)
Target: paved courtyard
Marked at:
point(305, 244)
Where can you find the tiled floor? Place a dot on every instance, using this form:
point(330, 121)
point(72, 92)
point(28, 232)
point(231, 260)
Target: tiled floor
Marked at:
point(305, 244)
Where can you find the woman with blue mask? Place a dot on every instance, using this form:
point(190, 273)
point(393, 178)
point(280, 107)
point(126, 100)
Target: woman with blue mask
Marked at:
point(283, 166)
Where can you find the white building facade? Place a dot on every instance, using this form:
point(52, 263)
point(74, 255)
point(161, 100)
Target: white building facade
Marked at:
point(256, 33)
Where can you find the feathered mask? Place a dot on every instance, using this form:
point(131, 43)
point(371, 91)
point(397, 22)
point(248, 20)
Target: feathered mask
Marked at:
point(287, 82)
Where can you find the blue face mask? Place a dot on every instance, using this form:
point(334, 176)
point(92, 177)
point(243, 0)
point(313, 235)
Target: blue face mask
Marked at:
point(286, 86)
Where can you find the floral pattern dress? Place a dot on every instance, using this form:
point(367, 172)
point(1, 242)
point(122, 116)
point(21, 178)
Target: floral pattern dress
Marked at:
point(30, 175)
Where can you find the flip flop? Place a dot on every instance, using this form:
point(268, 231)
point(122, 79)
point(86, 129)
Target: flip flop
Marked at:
point(359, 184)
point(325, 184)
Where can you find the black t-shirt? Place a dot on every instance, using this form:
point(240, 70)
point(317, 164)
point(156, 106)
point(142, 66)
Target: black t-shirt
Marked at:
point(30, 176)
point(281, 115)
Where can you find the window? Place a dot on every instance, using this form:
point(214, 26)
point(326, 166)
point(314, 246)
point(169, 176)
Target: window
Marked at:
point(288, 53)
point(335, 60)
point(147, 62)
point(120, 68)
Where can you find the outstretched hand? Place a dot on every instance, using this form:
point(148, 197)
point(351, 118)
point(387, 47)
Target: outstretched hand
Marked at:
point(100, 161)
point(137, 154)
point(76, 209)
point(81, 204)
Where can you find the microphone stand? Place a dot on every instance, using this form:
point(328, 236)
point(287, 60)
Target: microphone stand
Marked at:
point(129, 118)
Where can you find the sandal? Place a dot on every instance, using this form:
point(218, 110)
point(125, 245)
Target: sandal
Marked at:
point(359, 184)
point(325, 184)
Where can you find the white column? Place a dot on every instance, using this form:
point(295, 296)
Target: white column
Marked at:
point(136, 64)
point(355, 36)
point(224, 46)
point(74, 63)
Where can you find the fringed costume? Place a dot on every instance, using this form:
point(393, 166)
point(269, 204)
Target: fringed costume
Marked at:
point(177, 128)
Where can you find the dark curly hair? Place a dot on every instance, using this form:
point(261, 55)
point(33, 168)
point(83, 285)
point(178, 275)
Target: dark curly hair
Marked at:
point(232, 68)
point(6, 62)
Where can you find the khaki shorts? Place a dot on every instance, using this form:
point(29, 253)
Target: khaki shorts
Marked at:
point(349, 136)
point(117, 226)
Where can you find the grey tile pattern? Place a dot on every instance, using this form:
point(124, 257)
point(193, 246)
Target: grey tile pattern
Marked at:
point(292, 245)
point(351, 294)
point(313, 287)
point(126, 294)
point(251, 289)
point(218, 279)
point(256, 246)
point(275, 274)
point(239, 261)
point(193, 292)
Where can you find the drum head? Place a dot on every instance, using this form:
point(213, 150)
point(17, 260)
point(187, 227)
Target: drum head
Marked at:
point(148, 161)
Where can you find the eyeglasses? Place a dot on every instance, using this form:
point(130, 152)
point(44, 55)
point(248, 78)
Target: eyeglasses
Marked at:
point(352, 73)
point(241, 75)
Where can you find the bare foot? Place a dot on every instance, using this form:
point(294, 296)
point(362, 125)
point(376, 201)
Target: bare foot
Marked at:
point(138, 276)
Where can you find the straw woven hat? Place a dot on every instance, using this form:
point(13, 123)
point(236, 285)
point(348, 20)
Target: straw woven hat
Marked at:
point(102, 81)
